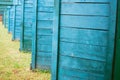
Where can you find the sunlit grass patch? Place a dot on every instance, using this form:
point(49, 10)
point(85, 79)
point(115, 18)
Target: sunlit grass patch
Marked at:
point(15, 65)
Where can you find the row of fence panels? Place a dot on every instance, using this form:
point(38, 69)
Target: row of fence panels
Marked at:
point(26, 34)
point(9, 2)
point(74, 39)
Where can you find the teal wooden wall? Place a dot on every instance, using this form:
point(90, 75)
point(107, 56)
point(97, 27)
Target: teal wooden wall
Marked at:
point(7, 18)
point(8, 2)
point(26, 32)
point(18, 21)
point(12, 19)
point(42, 34)
point(75, 39)
point(83, 39)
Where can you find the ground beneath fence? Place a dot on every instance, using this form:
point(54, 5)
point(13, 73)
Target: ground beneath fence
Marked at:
point(15, 65)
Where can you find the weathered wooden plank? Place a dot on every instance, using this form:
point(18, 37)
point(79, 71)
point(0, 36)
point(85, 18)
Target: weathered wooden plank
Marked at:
point(93, 22)
point(46, 2)
point(46, 40)
point(44, 31)
point(28, 11)
point(34, 43)
point(12, 12)
point(44, 48)
point(84, 64)
point(44, 24)
point(85, 1)
point(84, 36)
point(82, 41)
point(45, 16)
point(85, 9)
point(81, 51)
point(68, 74)
point(18, 22)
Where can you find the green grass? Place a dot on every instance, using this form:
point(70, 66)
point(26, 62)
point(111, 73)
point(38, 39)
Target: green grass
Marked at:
point(15, 65)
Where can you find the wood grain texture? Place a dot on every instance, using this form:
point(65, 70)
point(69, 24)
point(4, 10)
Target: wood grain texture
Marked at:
point(18, 22)
point(44, 21)
point(12, 12)
point(26, 34)
point(83, 39)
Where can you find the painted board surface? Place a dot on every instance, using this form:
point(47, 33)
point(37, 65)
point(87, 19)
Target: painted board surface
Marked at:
point(83, 39)
point(26, 36)
point(18, 22)
point(12, 18)
point(8, 2)
point(41, 55)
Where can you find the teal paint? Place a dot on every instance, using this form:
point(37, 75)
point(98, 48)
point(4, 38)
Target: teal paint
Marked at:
point(34, 37)
point(83, 39)
point(12, 18)
point(8, 14)
point(8, 2)
point(26, 34)
point(42, 34)
point(7, 18)
point(18, 21)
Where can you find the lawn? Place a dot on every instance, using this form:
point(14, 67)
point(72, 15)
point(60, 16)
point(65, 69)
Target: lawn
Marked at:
point(15, 65)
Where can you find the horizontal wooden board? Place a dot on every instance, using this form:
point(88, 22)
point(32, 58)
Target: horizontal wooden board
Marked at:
point(46, 9)
point(46, 2)
point(47, 40)
point(43, 63)
point(105, 1)
point(44, 48)
point(84, 36)
point(44, 24)
point(85, 65)
point(85, 9)
point(43, 34)
point(66, 73)
point(45, 16)
point(93, 22)
point(90, 52)
point(44, 31)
